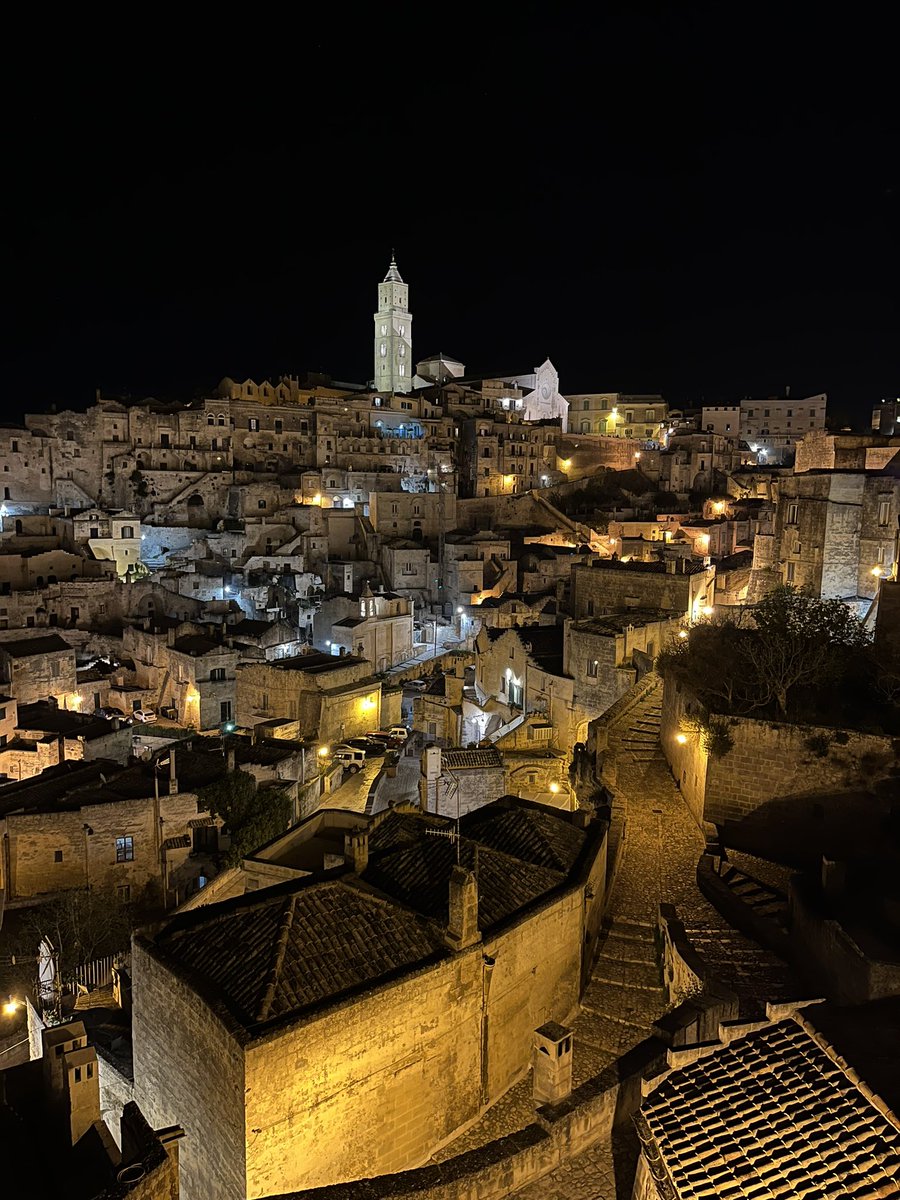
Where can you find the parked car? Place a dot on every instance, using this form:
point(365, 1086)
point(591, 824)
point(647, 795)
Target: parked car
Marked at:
point(351, 758)
point(110, 713)
point(387, 739)
point(144, 715)
point(371, 747)
point(416, 685)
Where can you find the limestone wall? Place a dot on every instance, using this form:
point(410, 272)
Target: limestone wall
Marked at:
point(369, 1087)
point(768, 761)
point(188, 1071)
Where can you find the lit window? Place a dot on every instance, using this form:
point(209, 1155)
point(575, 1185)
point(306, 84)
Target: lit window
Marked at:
point(383, 350)
point(593, 667)
point(124, 849)
point(402, 369)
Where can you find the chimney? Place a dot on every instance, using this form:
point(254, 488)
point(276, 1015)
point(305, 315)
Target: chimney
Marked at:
point(173, 780)
point(552, 1062)
point(356, 849)
point(462, 921)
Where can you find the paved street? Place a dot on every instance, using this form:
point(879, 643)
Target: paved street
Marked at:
point(660, 847)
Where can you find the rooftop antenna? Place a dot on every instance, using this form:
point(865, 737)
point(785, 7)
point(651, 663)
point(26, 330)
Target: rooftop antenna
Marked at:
point(453, 834)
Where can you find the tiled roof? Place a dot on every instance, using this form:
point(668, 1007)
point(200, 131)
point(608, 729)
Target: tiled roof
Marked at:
point(770, 1115)
point(26, 647)
point(535, 837)
point(181, 842)
point(419, 875)
point(455, 760)
point(522, 854)
point(275, 955)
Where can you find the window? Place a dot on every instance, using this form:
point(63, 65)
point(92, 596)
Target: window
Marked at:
point(253, 424)
point(793, 510)
point(220, 420)
point(225, 710)
point(164, 440)
point(649, 415)
point(57, 855)
point(217, 674)
point(124, 894)
point(124, 849)
point(261, 504)
point(127, 531)
point(402, 369)
point(590, 608)
point(279, 425)
point(210, 420)
point(789, 573)
point(593, 667)
point(586, 405)
point(884, 511)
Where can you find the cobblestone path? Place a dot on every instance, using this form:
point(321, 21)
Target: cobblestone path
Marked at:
point(659, 845)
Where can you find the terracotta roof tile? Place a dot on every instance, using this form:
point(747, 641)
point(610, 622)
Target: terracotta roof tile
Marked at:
point(770, 1115)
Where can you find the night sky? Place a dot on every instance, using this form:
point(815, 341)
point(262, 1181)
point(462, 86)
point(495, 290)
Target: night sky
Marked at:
point(698, 200)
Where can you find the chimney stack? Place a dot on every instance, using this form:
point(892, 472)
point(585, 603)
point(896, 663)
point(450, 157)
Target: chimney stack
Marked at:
point(462, 922)
point(356, 849)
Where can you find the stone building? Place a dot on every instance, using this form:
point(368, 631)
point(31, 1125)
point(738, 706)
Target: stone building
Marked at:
point(602, 654)
point(772, 427)
point(45, 735)
point(824, 451)
point(611, 414)
point(454, 782)
point(505, 456)
point(92, 824)
point(332, 697)
point(685, 589)
point(418, 516)
point(347, 1023)
point(373, 625)
point(38, 668)
point(835, 532)
point(55, 1142)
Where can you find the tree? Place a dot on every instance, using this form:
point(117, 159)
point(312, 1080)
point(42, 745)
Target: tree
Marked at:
point(82, 925)
point(252, 816)
point(801, 641)
point(773, 658)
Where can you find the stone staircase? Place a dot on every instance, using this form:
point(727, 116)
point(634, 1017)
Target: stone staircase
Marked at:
point(623, 999)
point(765, 900)
point(641, 740)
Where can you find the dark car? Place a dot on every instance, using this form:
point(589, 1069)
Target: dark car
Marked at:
point(371, 747)
point(111, 713)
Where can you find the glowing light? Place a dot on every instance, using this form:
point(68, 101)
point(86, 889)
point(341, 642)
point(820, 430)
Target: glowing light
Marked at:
point(681, 738)
point(459, 608)
point(707, 610)
point(614, 413)
point(877, 572)
point(566, 463)
point(637, 455)
point(719, 507)
point(368, 704)
point(682, 633)
point(324, 751)
point(317, 498)
point(554, 788)
point(11, 1007)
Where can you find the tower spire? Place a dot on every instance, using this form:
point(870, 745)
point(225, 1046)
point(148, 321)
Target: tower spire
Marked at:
point(393, 275)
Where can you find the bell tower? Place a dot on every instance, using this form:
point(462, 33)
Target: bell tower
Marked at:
point(393, 334)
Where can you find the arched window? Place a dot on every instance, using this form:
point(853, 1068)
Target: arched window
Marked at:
point(585, 427)
point(127, 531)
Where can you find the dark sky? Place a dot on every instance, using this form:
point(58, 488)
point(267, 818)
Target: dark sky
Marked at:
point(698, 200)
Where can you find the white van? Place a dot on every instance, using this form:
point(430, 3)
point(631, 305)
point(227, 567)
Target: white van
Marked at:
point(350, 758)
